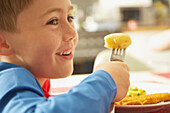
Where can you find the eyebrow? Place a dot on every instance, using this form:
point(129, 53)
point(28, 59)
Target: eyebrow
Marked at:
point(56, 10)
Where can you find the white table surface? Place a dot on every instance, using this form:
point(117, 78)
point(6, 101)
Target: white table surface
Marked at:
point(143, 77)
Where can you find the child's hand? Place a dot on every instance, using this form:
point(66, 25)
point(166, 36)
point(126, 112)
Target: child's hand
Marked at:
point(120, 73)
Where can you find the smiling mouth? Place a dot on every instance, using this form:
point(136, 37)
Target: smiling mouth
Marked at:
point(64, 53)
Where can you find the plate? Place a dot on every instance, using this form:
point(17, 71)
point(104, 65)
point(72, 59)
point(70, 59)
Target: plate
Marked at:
point(150, 88)
point(163, 107)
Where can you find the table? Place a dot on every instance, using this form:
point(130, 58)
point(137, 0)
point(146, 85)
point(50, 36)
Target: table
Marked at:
point(59, 86)
point(153, 82)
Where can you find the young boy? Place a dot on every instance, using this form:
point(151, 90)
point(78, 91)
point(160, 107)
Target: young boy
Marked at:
point(37, 41)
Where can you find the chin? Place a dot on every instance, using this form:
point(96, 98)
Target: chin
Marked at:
point(61, 74)
point(68, 73)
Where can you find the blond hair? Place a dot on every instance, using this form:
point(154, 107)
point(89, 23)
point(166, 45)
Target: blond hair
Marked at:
point(9, 11)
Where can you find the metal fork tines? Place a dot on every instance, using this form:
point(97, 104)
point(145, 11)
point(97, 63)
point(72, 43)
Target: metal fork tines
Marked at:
point(118, 54)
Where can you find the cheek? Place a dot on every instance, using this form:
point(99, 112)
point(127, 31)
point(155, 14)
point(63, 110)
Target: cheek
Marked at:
point(51, 42)
point(50, 48)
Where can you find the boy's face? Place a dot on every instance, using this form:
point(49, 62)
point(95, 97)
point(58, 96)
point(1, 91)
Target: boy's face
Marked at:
point(47, 39)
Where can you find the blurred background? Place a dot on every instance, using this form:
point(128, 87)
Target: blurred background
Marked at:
point(146, 21)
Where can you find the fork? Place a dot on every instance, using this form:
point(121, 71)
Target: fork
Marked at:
point(117, 55)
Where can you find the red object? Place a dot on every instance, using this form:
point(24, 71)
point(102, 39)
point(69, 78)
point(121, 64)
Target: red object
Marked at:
point(166, 75)
point(132, 24)
point(46, 88)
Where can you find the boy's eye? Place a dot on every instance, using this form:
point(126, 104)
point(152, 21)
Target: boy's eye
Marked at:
point(53, 22)
point(70, 19)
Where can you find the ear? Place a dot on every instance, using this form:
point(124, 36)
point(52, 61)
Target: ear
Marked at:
point(5, 47)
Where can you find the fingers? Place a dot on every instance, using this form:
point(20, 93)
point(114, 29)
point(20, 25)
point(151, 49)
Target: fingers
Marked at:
point(123, 64)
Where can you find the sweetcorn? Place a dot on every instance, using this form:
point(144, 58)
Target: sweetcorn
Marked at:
point(134, 91)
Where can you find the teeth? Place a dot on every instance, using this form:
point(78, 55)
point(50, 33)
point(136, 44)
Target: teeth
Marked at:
point(65, 52)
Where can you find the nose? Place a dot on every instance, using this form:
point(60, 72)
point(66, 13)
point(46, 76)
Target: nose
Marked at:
point(69, 32)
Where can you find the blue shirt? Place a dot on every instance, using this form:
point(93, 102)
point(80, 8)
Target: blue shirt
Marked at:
point(20, 92)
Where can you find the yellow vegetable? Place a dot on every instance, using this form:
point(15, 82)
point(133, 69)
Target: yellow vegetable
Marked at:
point(117, 40)
point(134, 91)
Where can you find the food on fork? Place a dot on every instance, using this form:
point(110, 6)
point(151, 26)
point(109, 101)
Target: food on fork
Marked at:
point(145, 99)
point(117, 40)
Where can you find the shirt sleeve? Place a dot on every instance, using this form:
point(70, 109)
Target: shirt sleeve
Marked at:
point(93, 95)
